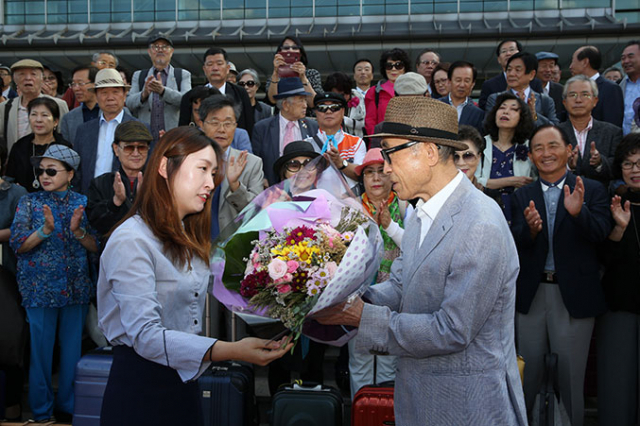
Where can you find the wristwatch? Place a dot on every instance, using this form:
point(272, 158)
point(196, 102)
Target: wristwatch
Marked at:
point(345, 163)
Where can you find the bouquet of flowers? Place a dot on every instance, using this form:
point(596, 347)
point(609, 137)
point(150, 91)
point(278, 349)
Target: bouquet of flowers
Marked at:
point(289, 259)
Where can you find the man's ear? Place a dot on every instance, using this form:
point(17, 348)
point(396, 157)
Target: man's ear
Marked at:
point(162, 169)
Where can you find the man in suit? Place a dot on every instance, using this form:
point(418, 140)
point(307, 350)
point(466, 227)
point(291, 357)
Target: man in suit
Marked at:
point(462, 77)
point(14, 123)
point(447, 310)
point(84, 76)
point(8, 92)
point(587, 60)
point(242, 171)
point(498, 84)
point(158, 102)
point(557, 223)
point(521, 70)
point(630, 84)
point(426, 61)
point(547, 62)
point(94, 139)
point(272, 134)
point(594, 142)
point(99, 60)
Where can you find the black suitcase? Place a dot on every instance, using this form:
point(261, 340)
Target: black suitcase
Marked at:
point(92, 374)
point(307, 405)
point(227, 395)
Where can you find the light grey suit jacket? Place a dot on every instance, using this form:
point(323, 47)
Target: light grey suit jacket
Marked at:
point(232, 203)
point(12, 124)
point(545, 108)
point(171, 98)
point(447, 312)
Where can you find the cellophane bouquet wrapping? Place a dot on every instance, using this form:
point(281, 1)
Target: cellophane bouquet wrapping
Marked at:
point(300, 246)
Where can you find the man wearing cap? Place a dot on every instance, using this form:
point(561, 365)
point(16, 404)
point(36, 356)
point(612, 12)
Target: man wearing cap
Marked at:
point(83, 79)
point(447, 310)
point(594, 142)
point(94, 138)
point(271, 135)
point(14, 118)
point(111, 195)
point(156, 92)
point(233, 73)
point(587, 60)
point(345, 151)
point(547, 62)
point(7, 91)
point(462, 76)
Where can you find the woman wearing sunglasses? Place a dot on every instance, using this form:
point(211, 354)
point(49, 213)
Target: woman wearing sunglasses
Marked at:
point(393, 63)
point(291, 47)
point(294, 165)
point(249, 80)
point(467, 160)
point(44, 116)
point(51, 237)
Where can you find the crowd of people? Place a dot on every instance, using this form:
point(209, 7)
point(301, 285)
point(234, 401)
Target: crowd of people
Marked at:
point(120, 184)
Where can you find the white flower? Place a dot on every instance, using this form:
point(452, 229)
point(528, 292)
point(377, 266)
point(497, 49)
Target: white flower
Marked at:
point(277, 269)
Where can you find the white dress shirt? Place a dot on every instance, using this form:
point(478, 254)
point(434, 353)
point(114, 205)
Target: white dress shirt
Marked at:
point(104, 153)
point(428, 210)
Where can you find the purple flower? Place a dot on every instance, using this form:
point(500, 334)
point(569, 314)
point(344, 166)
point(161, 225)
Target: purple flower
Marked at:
point(522, 152)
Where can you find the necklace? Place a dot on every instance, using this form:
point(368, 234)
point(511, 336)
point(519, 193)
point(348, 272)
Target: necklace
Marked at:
point(36, 183)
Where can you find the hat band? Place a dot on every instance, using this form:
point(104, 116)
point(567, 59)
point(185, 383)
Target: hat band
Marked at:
point(406, 130)
point(297, 91)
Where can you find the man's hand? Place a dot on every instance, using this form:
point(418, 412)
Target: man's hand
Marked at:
point(575, 156)
point(533, 219)
point(139, 185)
point(342, 314)
point(234, 169)
point(333, 155)
point(119, 193)
point(595, 159)
point(573, 200)
point(520, 181)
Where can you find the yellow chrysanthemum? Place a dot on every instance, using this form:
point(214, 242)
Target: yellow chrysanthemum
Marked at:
point(304, 252)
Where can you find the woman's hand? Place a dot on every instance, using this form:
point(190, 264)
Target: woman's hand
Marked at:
point(299, 68)
point(251, 349)
point(278, 61)
point(49, 224)
point(383, 216)
point(76, 219)
point(621, 213)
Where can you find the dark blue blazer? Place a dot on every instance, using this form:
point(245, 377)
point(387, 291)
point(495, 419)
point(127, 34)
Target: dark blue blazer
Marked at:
point(574, 247)
point(86, 145)
point(555, 93)
point(498, 84)
point(610, 106)
point(471, 115)
point(266, 142)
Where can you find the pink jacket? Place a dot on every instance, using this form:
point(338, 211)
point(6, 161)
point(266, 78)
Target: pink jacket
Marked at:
point(375, 113)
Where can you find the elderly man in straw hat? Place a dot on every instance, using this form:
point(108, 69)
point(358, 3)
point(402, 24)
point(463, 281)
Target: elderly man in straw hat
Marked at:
point(447, 310)
point(94, 138)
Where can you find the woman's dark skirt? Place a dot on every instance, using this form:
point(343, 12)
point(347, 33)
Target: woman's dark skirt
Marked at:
point(142, 392)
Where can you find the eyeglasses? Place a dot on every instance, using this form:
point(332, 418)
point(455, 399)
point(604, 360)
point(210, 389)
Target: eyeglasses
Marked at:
point(387, 152)
point(467, 156)
point(399, 65)
point(226, 125)
point(160, 47)
point(431, 62)
point(576, 95)
point(291, 47)
point(129, 149)
point(294, 166)
point(106, 64)
point(628, 165)
point(249, 83)
point(4, 74)
point(49, 172)
point(371, 172)
point(79, 84)
point(324, 108)
point(510, 50)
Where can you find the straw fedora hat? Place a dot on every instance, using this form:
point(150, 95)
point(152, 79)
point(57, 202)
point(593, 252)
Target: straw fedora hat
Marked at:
point(418, 118)
point(108, 78)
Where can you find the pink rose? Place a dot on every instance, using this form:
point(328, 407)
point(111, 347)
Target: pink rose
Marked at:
point(277, 269)
point(331, 268)
point(292, 265)
point(284, 288)
point(286, 279)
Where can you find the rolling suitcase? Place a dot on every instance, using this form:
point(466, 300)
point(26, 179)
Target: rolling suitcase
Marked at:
point(92, 374)
point(227, 395)
point(373, 404)
point(308, 405)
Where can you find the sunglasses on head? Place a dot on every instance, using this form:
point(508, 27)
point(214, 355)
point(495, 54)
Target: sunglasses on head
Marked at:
point(399, 65)
point(49, 172)
point(128, 149)
point(326, 108)
point(294, 165)
point(249, 83)
point(467, 156)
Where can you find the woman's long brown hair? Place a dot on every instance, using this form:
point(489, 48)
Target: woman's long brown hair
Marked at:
point(155, 203)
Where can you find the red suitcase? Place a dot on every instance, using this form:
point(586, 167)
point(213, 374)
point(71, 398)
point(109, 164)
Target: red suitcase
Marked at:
point(373, 406)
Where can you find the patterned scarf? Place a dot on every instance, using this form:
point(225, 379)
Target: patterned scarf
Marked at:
point(391, 250)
